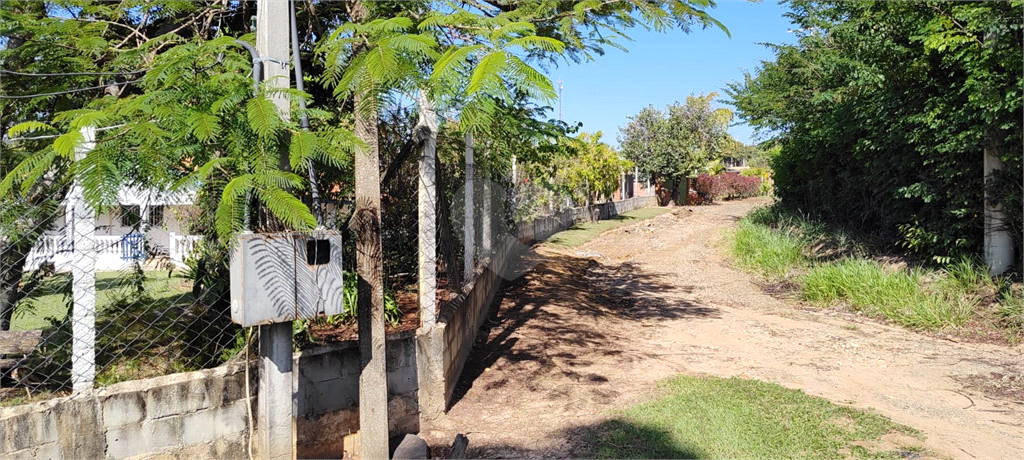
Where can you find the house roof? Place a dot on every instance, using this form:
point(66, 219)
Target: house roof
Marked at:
point(153, 197)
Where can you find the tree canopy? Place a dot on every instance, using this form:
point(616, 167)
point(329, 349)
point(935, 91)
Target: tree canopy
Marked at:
point(675, 143)
point(882, 111)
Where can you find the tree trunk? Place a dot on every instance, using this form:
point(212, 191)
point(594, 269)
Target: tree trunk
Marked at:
point(675, 191)
point(373, 385)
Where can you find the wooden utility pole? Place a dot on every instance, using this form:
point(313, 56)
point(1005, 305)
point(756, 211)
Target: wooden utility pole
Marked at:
point(373, 381)
point(83, 275)
point(274, 401)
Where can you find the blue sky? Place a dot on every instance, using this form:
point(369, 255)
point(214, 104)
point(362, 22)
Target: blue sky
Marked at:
point(661, 68)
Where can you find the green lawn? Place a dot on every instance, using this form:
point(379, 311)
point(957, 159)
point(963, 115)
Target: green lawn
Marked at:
point(586, 231)
point(49, 299)
point(711, 417)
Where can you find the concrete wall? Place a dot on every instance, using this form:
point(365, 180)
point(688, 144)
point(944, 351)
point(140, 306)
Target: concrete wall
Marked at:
point(327, 399)
point(189, 415)
point(543, 227)
point(203, 414)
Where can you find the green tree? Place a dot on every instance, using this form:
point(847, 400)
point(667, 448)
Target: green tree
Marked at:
point(895, 150)
point(676, 143)
point(58, 58)
point(591, 169)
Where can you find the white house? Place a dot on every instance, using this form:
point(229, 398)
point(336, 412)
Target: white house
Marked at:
point(158, 217)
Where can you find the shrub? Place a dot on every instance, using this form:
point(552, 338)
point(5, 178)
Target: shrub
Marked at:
point(729, 185)
point(739, 186)
point(708, 187)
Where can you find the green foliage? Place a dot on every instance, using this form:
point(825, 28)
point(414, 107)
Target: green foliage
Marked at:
point(592, 169)
point(678, 142)
point(896, 150)
point(712, 417)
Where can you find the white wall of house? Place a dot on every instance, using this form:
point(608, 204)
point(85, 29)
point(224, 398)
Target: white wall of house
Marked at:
point(117, 239)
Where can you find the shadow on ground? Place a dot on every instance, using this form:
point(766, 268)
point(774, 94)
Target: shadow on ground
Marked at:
point(565, 314)
point(614, 438)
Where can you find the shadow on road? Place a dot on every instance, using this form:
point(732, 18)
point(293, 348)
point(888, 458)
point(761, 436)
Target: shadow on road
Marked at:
point(567, 313)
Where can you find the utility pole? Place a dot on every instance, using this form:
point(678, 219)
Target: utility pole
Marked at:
point(559, 99)
point(274, 401)
point(373, 379)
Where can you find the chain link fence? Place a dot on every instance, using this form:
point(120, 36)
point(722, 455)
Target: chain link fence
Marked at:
point(95, 300)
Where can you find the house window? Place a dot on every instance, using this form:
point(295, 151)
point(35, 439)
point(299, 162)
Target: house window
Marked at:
point(130, 215)
point(156, 215)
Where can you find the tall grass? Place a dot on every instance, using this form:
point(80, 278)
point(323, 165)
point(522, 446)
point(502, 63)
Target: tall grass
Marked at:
point(894, 294)
point(767, 251)
point(833, 268)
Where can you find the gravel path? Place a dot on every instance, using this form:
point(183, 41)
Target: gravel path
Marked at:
point(592, 329)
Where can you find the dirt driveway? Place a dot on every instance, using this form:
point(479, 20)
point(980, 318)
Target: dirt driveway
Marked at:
point(592, 329)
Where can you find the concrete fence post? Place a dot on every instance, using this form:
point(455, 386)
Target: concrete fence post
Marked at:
point(83, 274)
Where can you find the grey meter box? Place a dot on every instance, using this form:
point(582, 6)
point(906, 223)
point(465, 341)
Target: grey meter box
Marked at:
point(279, 277)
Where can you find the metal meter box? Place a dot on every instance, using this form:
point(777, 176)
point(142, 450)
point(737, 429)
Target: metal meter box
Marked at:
point(278, 277)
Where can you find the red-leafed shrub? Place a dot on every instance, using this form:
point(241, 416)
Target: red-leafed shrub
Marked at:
point(738, 186)
point(708, 187)
point(728, 186)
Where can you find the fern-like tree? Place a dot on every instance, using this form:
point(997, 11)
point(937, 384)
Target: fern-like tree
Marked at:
point(60, 57)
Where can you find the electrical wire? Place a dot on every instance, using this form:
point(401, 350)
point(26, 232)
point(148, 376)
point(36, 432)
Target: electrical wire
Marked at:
point(58, 93)
point(314, 186)
point(72, 74)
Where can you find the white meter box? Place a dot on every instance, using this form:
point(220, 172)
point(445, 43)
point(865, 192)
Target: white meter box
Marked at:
point(279, 277)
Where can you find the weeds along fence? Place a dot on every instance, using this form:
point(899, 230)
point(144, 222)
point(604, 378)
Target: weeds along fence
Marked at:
point(88, 302)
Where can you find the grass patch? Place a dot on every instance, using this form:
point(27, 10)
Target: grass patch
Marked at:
point(711, 417)
point(898, 295)
point(586, 231)
point(831, 268)
point(50, 299)
point(767, 251)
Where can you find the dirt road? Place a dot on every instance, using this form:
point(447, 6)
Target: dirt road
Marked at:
point(592, 329)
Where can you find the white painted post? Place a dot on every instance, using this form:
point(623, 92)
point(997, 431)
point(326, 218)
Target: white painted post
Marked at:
point(998, 242)
point(487, 233)
point(515, 178)
point(427, 215)
point(467, 248)
point(83, 274)
point(274, 401)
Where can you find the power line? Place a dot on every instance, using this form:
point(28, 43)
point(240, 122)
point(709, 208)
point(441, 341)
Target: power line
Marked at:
point(57, 93)
point(72, 74)
point(10, 140)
